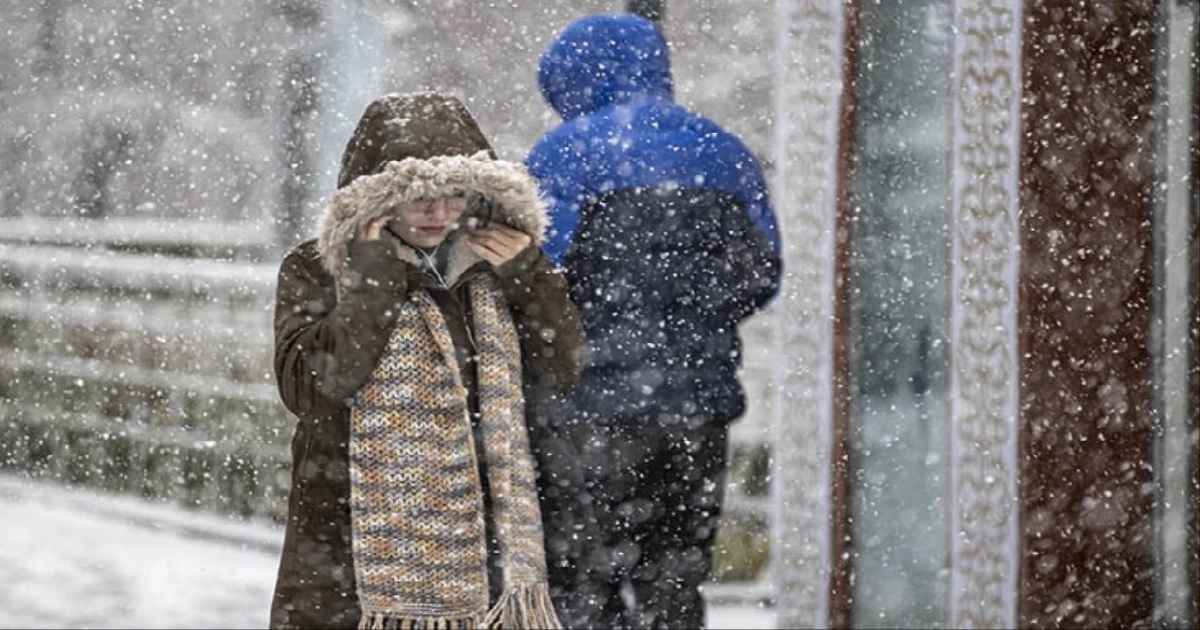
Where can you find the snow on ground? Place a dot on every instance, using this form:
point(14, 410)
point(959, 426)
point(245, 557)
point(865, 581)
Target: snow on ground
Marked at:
point(73, 558)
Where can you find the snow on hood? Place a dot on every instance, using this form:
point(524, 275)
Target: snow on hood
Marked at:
point(600, 60)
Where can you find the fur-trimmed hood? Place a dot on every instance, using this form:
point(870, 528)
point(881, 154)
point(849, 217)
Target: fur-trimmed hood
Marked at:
point(506, 186)
point(422, 145)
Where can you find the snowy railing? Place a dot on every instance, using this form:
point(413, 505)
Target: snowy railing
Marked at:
point(135, 357)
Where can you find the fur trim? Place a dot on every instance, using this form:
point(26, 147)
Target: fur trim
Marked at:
point(507, 185)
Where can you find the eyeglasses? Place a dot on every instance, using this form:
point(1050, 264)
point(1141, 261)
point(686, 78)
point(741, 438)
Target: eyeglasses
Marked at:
point(454, 204)
point(471, 210)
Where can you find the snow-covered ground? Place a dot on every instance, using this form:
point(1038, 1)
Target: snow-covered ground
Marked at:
point(78, 559)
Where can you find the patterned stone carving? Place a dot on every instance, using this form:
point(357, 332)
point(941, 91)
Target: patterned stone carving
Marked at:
point(986, 85)
point(808, 90)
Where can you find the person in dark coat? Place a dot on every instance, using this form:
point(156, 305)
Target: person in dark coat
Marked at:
point(664, 226)
point(408, 334)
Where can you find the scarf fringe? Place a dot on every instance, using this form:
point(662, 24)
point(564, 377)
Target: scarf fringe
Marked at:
point(521, 607)
point(524, 606)
point(381, 621)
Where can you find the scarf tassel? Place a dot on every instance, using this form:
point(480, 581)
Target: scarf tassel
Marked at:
point(523, 606)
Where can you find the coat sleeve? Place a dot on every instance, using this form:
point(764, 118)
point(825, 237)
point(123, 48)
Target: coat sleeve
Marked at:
point(751, 268)
point(734, 274)
point(752, 189)
point(557, 164)
point(761, 249)
point(548, 324)
point(327, 339)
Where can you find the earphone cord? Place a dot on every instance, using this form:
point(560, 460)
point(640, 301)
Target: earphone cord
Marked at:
point(431, 264)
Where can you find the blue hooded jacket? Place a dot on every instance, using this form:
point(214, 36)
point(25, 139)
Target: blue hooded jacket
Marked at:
point(609, 77)
point(661, 219)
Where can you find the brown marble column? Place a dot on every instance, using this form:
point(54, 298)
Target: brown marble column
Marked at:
point(841, 545)
point(1086, 417)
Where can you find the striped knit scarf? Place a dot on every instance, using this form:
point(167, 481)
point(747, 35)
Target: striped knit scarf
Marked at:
point(415, 496)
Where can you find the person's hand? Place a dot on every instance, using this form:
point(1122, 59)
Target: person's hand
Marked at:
point(372, 230)
point(497, 243)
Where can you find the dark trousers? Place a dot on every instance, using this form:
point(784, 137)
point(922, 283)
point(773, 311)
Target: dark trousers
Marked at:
point(656, 487)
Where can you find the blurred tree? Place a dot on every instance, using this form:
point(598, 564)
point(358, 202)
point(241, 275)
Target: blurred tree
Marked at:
point(47, 63)
point(650, 9)
point(106, 146)
point(300, 105)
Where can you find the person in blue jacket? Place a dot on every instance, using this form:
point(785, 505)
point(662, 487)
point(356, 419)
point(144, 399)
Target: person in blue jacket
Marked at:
point(663, 224)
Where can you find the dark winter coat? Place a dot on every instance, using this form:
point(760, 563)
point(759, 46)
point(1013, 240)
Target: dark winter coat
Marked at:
point(661, 219)
point(330, 334)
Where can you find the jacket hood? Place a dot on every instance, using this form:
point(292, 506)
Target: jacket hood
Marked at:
point(399, 126)
point(419, 147)
point(600, 60)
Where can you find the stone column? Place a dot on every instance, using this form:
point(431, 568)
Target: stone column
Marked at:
point(808, 509)
point(984, 238)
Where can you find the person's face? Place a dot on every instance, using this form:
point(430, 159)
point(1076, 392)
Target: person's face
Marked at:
point(426, 223)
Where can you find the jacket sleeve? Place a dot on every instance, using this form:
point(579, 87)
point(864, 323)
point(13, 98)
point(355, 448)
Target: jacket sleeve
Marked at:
point(548, 324)
point(753, 267)
point(557, 165)
point(327, 339)
point(752, 190)
point(738, 276)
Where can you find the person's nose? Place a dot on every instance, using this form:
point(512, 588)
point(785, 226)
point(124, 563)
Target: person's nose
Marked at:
point(440, 208)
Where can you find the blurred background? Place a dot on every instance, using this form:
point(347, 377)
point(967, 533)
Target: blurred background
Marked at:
point(159, 158)
point(979, 385)
point(237, 111)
